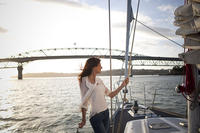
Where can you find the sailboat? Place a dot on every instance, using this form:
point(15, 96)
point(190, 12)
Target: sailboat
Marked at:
point(130, 117)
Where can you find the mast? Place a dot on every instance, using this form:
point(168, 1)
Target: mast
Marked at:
point(193, 107)
point(192, 59)
point(128, 21)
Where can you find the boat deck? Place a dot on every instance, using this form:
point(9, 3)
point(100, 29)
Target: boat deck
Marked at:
point(129, 115)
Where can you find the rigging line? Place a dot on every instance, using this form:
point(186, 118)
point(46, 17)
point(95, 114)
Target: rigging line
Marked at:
point(109, 16)
point(159, 33)
point(131, 29)
point(130, 60)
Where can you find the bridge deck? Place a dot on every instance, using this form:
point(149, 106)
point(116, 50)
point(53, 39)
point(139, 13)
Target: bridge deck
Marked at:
point(119, 57)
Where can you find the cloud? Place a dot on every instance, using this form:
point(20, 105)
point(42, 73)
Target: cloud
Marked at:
point(84, 24)
point(72, 3)
point(3, 30)
point(118, 18)
point(169, 10)
point(164, 31)
point(141, 17)
point(2, 4)
point(140, 28)
point(146, 19)
point(147, 33)
point(166, 8)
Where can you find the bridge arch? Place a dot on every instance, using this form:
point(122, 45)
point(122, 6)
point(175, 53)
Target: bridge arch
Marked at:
point(78, 53)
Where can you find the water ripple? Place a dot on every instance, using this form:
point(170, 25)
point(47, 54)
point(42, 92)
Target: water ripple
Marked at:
point(51, 105)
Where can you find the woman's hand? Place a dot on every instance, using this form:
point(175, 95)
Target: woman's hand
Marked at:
point(116, 91)
point(125, 82)
point(80, 125)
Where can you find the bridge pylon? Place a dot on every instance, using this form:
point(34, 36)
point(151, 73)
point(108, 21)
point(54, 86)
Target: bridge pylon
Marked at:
point(20, 69)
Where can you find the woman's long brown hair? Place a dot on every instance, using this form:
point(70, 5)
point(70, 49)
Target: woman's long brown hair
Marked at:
point(89, 65)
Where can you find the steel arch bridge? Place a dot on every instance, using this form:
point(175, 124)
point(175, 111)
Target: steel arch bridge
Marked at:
point(21, 59)
point(78, 53)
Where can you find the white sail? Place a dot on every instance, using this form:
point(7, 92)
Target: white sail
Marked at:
point(191, 57)
point(185, 10)
point(195, 37)
point(191, 9)
point(182, 18)
point(190, 26)
point(194, 0)
point(191, 44)
point(196, 9)
point(186, 31)
point(187, 17)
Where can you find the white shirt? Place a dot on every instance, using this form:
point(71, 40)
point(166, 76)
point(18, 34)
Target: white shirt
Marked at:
point(93, 94)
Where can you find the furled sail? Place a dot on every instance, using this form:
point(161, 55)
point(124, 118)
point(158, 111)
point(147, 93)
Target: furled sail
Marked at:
point(195, 1)
point(187, 18)
point(195, 37)
point(191, 57)
point(191, 44)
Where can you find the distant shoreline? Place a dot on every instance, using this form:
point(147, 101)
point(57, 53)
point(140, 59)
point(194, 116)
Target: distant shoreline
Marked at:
point(116, 72)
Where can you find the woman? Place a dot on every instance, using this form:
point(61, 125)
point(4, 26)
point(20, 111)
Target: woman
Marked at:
point(93, 92)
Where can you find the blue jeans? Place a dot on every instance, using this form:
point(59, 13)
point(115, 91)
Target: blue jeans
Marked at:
point(100, 122)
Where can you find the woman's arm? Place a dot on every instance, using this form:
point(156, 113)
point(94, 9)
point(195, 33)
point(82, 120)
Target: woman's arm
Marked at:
point(115, 92)
point(83, 110)
point(84, 102)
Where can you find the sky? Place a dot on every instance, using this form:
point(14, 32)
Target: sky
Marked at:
point(27, 25)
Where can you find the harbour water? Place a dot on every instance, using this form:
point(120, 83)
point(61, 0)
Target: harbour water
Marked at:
point(51, 105)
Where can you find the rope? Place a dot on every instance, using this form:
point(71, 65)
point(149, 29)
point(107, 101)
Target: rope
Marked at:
point(154, 97)
point(110, 51)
